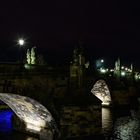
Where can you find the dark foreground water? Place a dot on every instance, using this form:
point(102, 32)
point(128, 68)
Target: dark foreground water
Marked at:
point(121, 125)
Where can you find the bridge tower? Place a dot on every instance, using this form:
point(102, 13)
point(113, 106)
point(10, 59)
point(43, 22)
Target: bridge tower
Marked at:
point(77, 68)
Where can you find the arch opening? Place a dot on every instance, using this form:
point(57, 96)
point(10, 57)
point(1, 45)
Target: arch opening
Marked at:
point(101, 91)
point(34, 115)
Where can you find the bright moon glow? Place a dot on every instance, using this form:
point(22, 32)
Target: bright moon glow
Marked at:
point(21, 42)
point(101, 91)
point(35, 115)
point(102, 60)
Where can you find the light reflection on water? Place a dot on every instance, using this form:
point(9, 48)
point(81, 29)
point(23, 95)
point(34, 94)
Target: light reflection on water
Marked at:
point(107, 121)
point(128, 127)
point(124, 128)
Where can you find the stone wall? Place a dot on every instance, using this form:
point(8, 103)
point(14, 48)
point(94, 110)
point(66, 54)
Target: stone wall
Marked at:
point(123, 97)
point(80, 120)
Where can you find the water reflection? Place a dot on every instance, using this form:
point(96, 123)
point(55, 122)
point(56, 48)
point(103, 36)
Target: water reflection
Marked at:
point(107, 122)
point(128, 127)
point(124, 128)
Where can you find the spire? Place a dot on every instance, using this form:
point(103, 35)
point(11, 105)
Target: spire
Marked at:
point(131, 67)
point(117, 70)
point(118, 64)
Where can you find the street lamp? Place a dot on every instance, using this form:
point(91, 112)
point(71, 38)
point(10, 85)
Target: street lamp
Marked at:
point(21, 43)
point(123, 73)
point(102, 60)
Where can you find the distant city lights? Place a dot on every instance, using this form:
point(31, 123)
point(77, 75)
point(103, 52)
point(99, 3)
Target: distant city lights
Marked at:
point(111, 70)
point(122, 73)
point(122, 67)
point(126, 69)
point(102, 70)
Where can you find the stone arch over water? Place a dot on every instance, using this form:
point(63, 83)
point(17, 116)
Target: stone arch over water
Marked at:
point(100, 90)
point(34, 115)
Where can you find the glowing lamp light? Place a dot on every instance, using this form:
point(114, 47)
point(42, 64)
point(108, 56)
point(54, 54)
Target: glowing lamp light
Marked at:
point(122, 67)
point(126, 69)
point(111, 70)
point(102, 70)
point(105, 103)
point(21, 42)
point(27, 66)
point(122, 73)
point(32, 127)
point(102, 61)
point(129, 70)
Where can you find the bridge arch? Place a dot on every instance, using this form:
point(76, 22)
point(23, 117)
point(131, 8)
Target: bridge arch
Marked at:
point(34, 115)
point(101, 90)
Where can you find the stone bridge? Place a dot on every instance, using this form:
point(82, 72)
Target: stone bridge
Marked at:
point(56, 82)
point(74, 100)
point(111, 90)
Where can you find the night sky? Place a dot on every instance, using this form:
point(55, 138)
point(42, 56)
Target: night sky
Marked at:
point(107, 29)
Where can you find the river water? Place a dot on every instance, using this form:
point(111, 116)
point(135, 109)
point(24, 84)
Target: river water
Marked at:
point(121, 125)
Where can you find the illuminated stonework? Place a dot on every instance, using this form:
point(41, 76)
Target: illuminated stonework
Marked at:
point(101, 91)
point(35, 116)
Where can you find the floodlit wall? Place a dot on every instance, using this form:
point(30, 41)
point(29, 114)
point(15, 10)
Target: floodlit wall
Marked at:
point(101, 91)
point(35, 116)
